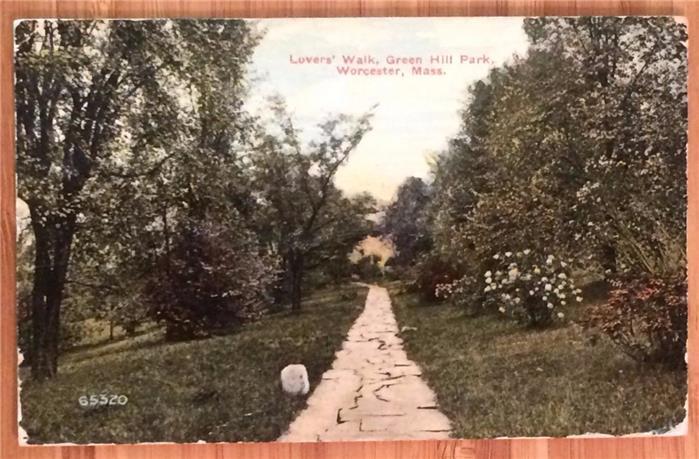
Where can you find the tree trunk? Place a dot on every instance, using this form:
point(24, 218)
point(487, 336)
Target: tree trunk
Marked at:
point(296, 280)
point(166, 236)
point(41, 357)
point(609, 258)
point(50, 270)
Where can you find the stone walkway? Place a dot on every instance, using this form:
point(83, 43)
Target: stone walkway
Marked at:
point(372, 391)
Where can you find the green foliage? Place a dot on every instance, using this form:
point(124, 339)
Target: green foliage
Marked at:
point(106, 110)
point(646, 317)
point(24, 261)
point(574, 149)
point(221, 389)
point(494, 378)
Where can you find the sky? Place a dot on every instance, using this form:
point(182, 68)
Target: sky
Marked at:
point(416, 114)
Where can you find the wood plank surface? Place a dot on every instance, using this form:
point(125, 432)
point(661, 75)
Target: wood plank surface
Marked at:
point(629, 448)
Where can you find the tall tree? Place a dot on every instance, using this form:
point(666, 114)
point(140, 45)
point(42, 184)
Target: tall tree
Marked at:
point(98, 104)
point(303, 211)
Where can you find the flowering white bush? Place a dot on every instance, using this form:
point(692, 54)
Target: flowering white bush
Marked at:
point(462, 293)
point(530, 287)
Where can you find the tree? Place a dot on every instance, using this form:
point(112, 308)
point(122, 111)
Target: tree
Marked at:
point(213, 278)
point(302, 214)
point(347, 224)
point(567, 152)
point(622, 175)
point(406, 221)
point(98, 106)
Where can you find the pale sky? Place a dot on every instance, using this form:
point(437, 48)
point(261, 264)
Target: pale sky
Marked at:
point(416, 114)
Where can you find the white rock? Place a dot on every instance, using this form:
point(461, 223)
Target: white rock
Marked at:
point(295, 379)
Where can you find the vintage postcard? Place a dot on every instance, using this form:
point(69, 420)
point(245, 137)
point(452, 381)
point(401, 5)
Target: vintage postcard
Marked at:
point(350, 229)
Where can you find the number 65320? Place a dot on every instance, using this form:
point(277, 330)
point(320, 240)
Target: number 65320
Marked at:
point(102, 400)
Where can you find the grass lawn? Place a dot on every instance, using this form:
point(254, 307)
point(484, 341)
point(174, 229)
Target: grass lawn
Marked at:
point(224, 388)
point(493, 378)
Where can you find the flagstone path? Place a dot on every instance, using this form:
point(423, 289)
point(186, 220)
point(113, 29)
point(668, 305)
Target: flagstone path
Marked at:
point(372, 391)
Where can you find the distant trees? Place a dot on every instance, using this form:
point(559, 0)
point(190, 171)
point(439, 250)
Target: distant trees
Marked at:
point(406, 221)
point(153, 195)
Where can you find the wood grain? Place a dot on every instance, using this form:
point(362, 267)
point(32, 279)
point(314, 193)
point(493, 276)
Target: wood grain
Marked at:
point(624, 448)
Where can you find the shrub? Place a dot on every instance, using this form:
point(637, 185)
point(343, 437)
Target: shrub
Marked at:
point(522, 285)
point(430, 272)
point(646, 317)
point(212, 278)
point(464, 293)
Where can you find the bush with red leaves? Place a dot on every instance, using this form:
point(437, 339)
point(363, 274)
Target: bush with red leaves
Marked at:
point(647, 317)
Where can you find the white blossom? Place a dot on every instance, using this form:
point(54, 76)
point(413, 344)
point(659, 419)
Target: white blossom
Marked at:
point(514, 272)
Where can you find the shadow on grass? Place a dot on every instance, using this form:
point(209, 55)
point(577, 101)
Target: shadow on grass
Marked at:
point(224, 388)
point(494, 377)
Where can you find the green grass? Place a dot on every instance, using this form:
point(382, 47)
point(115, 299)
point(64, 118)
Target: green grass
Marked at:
point(95, 332)
point(494, 378)
point(224, 388)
